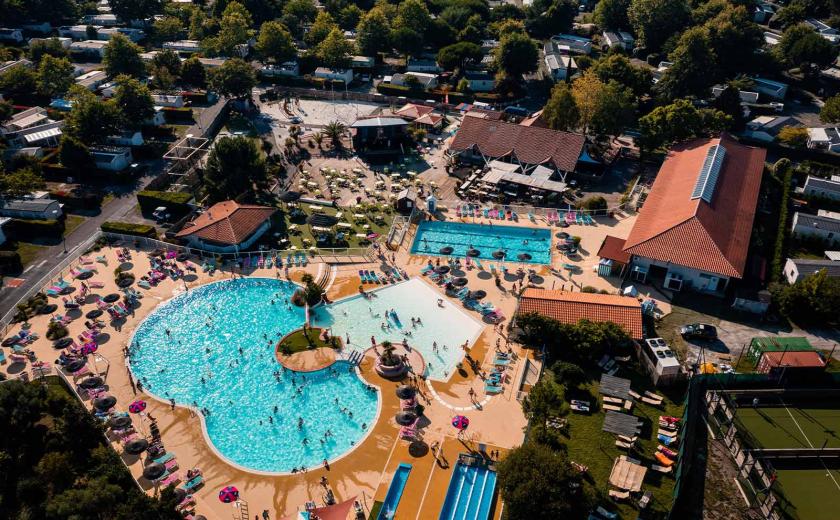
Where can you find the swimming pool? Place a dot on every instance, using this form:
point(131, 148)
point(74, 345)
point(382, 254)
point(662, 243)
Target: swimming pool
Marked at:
point(433, 235)
point(470, 493)
point(213, 348)
point(360, 318)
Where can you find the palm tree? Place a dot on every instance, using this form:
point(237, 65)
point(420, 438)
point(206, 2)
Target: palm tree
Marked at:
point(387, 357)
point(295, 132)
point(334, 131)
point(318, 137)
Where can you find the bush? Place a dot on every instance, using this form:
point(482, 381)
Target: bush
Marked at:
point(10, 262)
point(595, 203)
point(178, 115)
point(55, 330)
point(389, 89)
point(176, 203)
point(126, 228)
point(26, 229)
point(784, 171)
point(814, 300)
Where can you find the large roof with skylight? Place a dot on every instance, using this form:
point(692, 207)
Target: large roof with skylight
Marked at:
point(709, 173)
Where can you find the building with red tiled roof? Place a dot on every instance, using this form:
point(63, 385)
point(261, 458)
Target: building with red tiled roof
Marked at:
point(412, 111)
point(484, 140)
point(227, 226)
point(613, 258)
point(571, 307)
point(694, 228)
point(803, 361)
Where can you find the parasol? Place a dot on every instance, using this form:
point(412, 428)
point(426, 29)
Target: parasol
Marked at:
point(228, 494)
point(104, 403)
point(154, 471)
point(498, 255)
point(405, 418)
point(405, 392)
point(137, 406)
point(446, 250)
point(136, 446)
point(460, 422)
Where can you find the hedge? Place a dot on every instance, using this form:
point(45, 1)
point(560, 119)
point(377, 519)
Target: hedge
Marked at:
point(126, 228)
point(178, 115)
point(175, 202)
point(10, 262)
point(783, 170)
point(86, 200)
point(19, 228)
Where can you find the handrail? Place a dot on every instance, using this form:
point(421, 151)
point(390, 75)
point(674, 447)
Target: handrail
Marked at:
point(536, 210)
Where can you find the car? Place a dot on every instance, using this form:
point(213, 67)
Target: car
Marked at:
point(296, 120)
point(698, 331)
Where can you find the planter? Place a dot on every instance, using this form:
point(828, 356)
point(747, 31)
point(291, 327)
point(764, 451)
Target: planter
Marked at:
point(389, 371)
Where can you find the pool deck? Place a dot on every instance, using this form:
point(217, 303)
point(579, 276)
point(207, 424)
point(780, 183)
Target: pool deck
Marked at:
point(366, 471)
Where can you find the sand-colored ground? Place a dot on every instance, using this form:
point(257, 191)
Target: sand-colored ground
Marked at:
point(308, 360)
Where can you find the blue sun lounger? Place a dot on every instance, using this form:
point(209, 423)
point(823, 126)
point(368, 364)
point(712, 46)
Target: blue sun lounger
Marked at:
point(193, 484)
point(166, 457)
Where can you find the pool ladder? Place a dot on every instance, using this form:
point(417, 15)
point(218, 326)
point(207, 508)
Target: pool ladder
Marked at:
point(355, 358)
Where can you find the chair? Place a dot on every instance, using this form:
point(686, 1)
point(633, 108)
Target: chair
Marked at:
point(619, 495)
point(193, 484)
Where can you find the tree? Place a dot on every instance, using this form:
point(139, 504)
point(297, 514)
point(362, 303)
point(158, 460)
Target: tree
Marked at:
point(92, 119)
point(516, 54)
point(459, 55)
point(507, 26)
point(130, 10)
point(233, 167)
point(169, 60)
point(814, 300)
point(407, 41)
point(44, 47)
point(679, 121)
point(729, 102)
point(122, 56)
point(611, 15)
point(134, 100)
point(168, 28)
point(654, 21)
point(545, 399)
point(349, 17)
point(568, 374)
point(735, 39)
point(19, 80)
point(234, 28)
point(20, 182)
point(335, 50)
point(693, 69)
point(540, 484)
point(6, 111)
point(615, 109)
point(617, 67)
point(794, 136)
point(235, 78)
point(561, 111)
point(801, 46)
point(414, 15)
point(74, 153)
point(830, 112)
point(275, 43)
point(373, 33)
point(193, 73)
point(55, 76)
point(323, 25)
point(335, 130)
point(586, 91)
point(547, 17)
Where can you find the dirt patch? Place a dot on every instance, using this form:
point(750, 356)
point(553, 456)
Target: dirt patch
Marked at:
point(722, 499)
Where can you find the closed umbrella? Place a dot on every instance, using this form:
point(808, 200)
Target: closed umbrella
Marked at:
point(104, 403)
point(91, 382)
point(405, 418)
point(523, 257)
point(136, 446)
point(405, 392)
point(75, 365)
point(119, 422)
point(63, 342)
point(473, 252)
point(111, 298)
point(446, 250)
point(95, 313)
point(228, 494)
point(460, 281)
point(498, 255)
point(442, 269)
point(154, 471)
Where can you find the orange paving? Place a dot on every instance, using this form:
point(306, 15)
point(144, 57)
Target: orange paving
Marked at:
point(307, 360)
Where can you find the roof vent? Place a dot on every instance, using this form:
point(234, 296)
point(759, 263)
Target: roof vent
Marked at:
point(704, 188)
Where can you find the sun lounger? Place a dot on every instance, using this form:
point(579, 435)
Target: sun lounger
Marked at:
point(660, 469)
point(166, 457)
point(96, 284)
point(628, 439)
point(143, 284)
point(665, 461)
point(193, 484)
point(634, 395)
point(650, 401)
point(492, 389)
point(623, 445)
point(664, 439)
point(612, 407)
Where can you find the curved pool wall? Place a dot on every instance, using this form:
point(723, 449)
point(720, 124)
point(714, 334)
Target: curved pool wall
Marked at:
point(432, 235)
point(224, 333)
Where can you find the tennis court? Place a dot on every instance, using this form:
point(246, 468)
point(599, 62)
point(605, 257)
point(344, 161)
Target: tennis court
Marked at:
point(813, 494)
point(791, 426)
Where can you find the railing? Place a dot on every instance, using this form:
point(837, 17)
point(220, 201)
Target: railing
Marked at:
point(72, 260)
point(523, 210)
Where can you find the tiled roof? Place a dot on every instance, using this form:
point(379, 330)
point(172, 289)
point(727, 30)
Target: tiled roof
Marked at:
point(530, 144)
point(805, 358)
point(227, 222)
point(429, 119)
point(713, 237)
point(571, 307)
point(816, 183)
point(413, 111)
point(613, 249)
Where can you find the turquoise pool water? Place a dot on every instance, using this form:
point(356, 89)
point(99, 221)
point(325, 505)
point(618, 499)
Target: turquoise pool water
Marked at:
point(470, 493)
point(432, 235)
point(395, 491)
point(225, 333)
point(448, 326)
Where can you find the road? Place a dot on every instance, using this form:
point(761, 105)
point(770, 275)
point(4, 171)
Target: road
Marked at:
point(116, 209)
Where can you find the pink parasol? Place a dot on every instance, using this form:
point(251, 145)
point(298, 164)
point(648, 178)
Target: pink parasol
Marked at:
point(460, 422)
point(137, 406)
point(228, 494)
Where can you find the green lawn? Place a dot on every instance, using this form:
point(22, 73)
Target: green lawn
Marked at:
point(71, 222)
point(589, 445)
point(28, 252)
point(238, 123)
point(299, 341)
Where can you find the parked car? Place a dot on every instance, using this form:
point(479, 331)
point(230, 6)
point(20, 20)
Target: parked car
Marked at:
point(698, 331)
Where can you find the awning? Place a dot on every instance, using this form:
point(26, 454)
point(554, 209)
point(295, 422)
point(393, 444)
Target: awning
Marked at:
point(42, 135)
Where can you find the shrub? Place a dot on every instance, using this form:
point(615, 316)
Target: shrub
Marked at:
point(55, 330)
point(175, 203)
point(595, 203)
point(35, 228)
point(784, 171)
point(127, 228)
point(10, 262)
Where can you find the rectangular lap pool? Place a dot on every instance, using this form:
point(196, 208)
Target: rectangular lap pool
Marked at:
point(432, 236)
point(470, 493)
